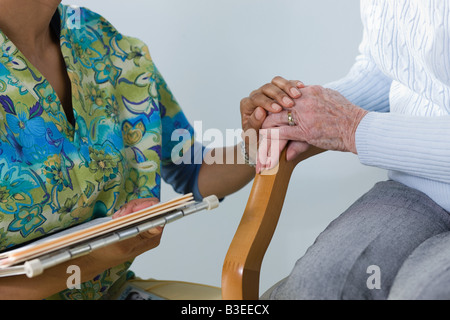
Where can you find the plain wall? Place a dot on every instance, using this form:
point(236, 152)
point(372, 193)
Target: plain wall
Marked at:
point(213, 54)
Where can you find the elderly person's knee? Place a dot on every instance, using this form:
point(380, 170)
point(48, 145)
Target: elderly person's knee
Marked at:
point(425, 275)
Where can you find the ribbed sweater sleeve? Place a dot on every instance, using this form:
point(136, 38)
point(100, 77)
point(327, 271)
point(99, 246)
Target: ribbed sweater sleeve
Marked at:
point(402, 77)
point(416, 145)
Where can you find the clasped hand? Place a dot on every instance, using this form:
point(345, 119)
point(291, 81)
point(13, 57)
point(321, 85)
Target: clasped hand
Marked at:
point(288, 114)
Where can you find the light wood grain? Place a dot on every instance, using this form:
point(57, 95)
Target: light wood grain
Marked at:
point(242, 265)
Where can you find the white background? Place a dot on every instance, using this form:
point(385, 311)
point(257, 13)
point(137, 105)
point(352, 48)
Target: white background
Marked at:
point(213, 53)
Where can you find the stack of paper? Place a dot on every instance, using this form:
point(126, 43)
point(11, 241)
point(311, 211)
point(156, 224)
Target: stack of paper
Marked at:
point(97, 233)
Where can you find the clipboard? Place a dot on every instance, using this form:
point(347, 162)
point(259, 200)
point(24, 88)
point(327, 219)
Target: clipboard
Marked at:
point(32, 259)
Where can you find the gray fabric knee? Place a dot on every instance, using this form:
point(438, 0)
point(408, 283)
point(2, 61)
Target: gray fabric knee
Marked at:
point(380, 230)
point(425, 275)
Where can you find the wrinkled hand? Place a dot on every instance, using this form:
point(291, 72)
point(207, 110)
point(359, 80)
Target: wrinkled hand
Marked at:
point(323, 118)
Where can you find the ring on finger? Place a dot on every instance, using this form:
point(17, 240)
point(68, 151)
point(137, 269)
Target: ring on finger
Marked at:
point(291, 121)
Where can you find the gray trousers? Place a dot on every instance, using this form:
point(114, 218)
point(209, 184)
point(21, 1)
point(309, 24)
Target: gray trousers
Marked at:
point(393, 243)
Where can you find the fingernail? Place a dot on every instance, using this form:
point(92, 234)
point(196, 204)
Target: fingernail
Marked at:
point(259, 114)
point(155, 231)
point(295, 92)
point(287, 101)
point(121, 209)
point(300, 84)
point(118, 212)
point(276, 107)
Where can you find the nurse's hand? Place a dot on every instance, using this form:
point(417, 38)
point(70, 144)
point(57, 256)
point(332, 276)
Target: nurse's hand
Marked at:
point(127, 250)
point(271, 98)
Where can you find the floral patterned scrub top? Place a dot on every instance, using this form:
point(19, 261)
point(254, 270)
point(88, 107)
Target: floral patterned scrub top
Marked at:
point(54, 174)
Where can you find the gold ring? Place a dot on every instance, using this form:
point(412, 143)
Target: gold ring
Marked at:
point(291, 119)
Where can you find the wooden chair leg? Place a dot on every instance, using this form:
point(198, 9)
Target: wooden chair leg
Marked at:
point(242, 265)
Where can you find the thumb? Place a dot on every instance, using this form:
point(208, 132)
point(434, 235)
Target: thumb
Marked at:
point(295, 148)
point(257, 118)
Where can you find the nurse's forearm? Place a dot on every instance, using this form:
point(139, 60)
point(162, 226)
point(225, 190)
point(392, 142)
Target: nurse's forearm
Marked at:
point(223, 172)
point(50, 282)
point(54, 280)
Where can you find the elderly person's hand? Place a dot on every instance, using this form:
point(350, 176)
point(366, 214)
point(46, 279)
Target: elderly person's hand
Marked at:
point(320, 117)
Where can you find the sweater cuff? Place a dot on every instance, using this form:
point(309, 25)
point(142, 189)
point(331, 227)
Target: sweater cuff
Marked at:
point(361, 138)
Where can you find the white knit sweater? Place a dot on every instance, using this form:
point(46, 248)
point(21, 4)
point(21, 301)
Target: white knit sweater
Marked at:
point(403, 77)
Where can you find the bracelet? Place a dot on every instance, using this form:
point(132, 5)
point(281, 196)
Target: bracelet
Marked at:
point(246, 157)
